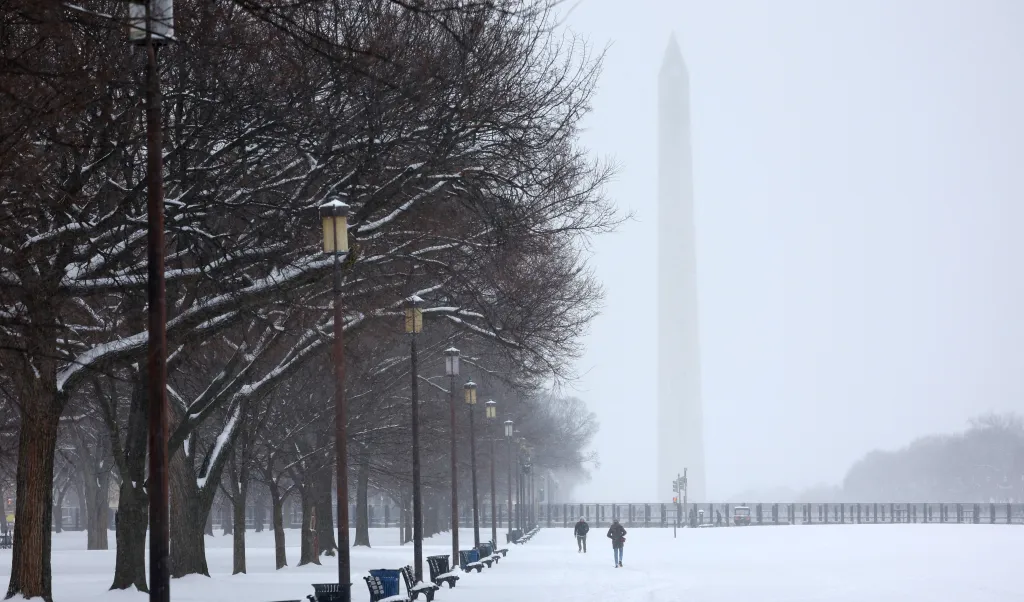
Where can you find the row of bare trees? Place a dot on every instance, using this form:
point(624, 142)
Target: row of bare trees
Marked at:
point(451, 128)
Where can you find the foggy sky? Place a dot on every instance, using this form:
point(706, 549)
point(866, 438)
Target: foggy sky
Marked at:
point(858, 178)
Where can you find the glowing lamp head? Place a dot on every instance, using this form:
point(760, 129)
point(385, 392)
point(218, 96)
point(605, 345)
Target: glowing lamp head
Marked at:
point(334, 215)
point(413, 315)
point(451, 361)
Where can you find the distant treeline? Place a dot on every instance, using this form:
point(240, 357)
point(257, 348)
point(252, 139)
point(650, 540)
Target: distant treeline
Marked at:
point(983, 464)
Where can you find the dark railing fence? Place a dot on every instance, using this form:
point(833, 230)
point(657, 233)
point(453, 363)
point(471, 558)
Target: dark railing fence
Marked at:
point(665, 515)
point(657, 515)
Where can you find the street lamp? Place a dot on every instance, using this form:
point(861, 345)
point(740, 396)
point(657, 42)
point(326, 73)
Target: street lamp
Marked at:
point(470, 389)
point(519, 478)
point(528, 487)
point(334, 217)
point(508, 437)
point(413, 326)
point(151, 24)
point(533, 492)
point(492, 415)
point(451, 368)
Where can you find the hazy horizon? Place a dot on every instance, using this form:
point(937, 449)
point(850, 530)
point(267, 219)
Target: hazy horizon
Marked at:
point(854, 181)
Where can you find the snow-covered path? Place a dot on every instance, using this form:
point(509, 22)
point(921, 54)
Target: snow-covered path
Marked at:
point(881, 563)
point(853, 563)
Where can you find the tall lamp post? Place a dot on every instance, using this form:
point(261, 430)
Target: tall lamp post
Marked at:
point(413, 326)
point(534, 506)
point(334, 216)
point(470, 388)
point(519, 479)
point(530, 513)
point(492, 415)
point(451, 368)
point(509, 425)
point(151, 24)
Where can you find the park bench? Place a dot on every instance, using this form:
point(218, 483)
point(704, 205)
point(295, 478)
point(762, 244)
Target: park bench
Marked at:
point(514, 536)
point(469, 560)
point(383, 590)
point(503, 551)
point(325, 592)
point(487, 553)
point(427, 589)
point(440, 572)
point(5, 541)
point(528, 536)
point(483, 555)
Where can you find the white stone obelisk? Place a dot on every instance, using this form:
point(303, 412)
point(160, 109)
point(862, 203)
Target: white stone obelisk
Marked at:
point(680, 416)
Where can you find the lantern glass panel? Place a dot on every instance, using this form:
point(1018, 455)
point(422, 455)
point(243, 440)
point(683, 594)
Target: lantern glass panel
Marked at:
point(328, 234)
point(451, 364)
point(341, 234)
point(413, 320)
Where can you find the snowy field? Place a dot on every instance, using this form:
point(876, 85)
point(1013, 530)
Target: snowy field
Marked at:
point(854, 563)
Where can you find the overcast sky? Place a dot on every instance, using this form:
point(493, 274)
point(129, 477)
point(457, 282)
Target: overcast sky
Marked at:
point(858, 183)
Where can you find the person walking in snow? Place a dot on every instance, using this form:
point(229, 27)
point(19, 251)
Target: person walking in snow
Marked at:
point(617, 533)
point(581, 530)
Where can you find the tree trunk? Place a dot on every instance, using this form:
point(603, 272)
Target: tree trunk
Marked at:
point(224, 522)
point(401, 520)
point(308, 554)
point(238, 514)
point(259, 512)
point(280, 553)
point(430, 517)
point(132, 523)
point(133, 503)
point(362, 507)
point(188, 509)
point(58, 514)
point(325, 511)
point(3, 516)
point(97, 494)
point(208, 530)
point(33, 510)
point(408, 518)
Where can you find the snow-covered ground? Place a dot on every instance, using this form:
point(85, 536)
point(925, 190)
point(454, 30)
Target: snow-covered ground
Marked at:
point(853, 563)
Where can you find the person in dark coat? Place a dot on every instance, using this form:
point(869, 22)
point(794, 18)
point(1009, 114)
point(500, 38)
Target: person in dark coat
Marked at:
point(581, 530)
point(617, 533)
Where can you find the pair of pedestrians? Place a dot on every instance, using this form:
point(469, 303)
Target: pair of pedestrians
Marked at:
point(616, 533)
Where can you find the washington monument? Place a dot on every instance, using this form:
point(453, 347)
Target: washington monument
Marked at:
point(680, 417)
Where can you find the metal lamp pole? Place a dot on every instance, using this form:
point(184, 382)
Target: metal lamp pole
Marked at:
point(531, 515)
point(471, 403)
point(519, 482)
point(492, 415)
point(151, 24)
point(508, 437)
point(414, 325)
point(451, 367)
point(334, 215)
